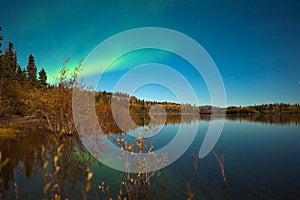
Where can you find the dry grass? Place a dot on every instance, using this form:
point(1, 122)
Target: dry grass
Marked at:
point(138, 185)
point(9, 132)
point(220, 159)
point(3, 162)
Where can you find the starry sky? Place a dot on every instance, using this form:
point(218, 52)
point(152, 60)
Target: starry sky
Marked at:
point(255, 44)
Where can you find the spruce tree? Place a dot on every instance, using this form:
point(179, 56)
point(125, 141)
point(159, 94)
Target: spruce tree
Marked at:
point(21, 75)
point(31, 70)
point(1, 65)
point(10, 59)
point(43, 77)
point(9, 65)
point(0, 42)
point(8, 71)
point(11, 91)
point(1, 78)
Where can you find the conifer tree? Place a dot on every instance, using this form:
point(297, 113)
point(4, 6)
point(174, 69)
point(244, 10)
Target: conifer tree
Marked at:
point(0, 42)
point(8, 71)
point(43, 77)
point(11, 91)
point(10, 60)
point(21, 75)
point(1, 65)
point(9, 65)
point(1, 78)
point(31, 70)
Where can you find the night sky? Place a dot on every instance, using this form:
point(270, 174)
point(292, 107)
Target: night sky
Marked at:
point(255, 44)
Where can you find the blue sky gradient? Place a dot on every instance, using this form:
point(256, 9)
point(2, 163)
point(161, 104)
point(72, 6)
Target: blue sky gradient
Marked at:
point(255, 44)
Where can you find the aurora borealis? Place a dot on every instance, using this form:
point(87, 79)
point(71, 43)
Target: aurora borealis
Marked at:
point(255, 44)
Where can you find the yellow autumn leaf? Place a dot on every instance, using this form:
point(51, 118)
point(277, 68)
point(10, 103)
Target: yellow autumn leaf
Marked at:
point(88, 186)
point(46, 164)
point(56, 158)
point(90, 175)
point(47, 186)
point(57, 169)
point(60, 148)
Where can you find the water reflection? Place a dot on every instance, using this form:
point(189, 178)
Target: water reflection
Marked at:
point(27, 159)
point(28, 154)
point(109, 126)
point(22, 152)
point(279, 119)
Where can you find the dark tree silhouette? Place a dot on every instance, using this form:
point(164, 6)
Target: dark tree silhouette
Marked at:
point(0, 42)
point(10, 59)
point(21, 75)
point(9, 65)
point(43, 77)
point(31, 70)
point(1, 65)
point(8, 74)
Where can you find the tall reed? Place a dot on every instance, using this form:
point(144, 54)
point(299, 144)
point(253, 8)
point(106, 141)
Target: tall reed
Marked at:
point(220, 159)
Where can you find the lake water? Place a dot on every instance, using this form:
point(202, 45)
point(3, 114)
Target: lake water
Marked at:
point(261, 159)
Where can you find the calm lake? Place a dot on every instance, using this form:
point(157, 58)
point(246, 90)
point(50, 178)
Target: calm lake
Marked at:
point(261, 159)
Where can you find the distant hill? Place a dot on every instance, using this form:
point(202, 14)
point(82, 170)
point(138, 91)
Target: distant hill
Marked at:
point(275, 108)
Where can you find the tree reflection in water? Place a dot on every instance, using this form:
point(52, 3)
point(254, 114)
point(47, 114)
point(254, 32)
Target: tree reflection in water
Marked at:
point(29, 153)
point(33, 146)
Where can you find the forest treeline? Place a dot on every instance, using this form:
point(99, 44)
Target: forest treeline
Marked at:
point(275, 108)
point(15, 82)
point(24, 91)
